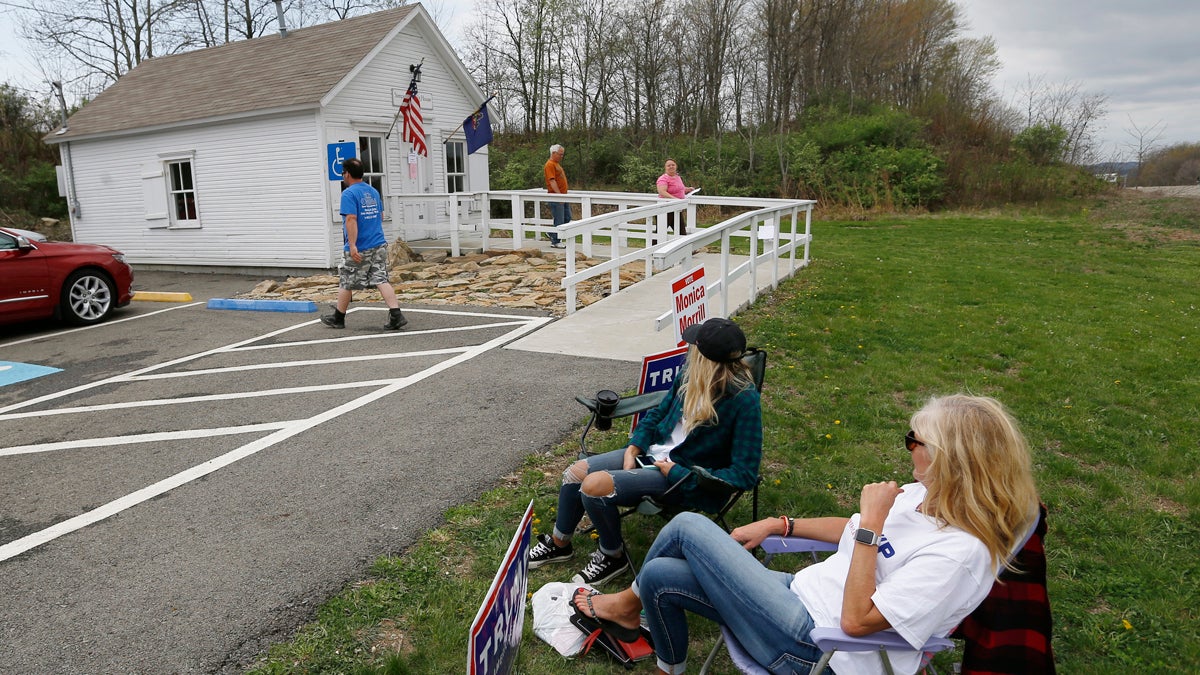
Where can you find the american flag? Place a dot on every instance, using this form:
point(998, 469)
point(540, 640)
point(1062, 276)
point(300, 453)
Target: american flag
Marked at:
point(414, 129)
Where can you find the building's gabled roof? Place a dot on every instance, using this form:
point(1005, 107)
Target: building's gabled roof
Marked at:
point(266, 73)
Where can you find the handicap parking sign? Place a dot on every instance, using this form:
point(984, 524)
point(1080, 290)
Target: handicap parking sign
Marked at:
point(338, 153)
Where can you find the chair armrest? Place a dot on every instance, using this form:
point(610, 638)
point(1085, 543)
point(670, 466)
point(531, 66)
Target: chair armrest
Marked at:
point(776, 544)
point(710, 483)
point(629, 405)
point(833, 638)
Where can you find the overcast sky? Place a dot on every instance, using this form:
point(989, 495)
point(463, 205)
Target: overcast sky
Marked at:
point(1144, 55)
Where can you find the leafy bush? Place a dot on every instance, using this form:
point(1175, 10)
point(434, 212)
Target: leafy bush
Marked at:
point(885, 177)
point(890, 128)
point(514, 168)
point(1041, 143)
point(638, 173)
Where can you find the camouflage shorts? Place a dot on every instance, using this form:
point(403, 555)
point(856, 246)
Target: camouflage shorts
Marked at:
point(369, 273)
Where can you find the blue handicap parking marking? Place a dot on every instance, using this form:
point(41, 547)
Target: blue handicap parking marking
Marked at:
point(12, 373)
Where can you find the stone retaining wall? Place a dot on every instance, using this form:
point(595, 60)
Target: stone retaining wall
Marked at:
point(525, 278)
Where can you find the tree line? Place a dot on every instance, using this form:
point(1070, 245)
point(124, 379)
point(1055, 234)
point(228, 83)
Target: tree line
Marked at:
point(89, 45)
point(877, 103)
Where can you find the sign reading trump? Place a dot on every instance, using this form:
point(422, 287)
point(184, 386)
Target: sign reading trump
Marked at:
point(496, 631)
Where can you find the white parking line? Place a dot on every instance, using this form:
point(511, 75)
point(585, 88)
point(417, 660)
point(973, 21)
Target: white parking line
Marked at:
point(144, 438)
point(377, 336)
point(59, 333)
point(294, 364)
point(147, 369)
point(125, 405)
point(284, 431)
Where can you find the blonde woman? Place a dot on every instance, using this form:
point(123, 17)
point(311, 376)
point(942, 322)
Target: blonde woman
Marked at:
point(915, 558)
point(711, 418)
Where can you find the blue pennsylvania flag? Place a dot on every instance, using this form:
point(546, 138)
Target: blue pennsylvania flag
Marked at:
point(478, 128)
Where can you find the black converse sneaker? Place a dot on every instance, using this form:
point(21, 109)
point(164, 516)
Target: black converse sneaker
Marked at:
point(546, 551)
point(600, 569)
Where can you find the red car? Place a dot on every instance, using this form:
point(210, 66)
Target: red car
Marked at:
point(78, 283)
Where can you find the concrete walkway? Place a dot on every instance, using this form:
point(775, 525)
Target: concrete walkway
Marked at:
point(621, 326)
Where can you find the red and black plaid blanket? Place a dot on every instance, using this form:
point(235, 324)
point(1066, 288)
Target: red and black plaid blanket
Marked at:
point(1010, 632)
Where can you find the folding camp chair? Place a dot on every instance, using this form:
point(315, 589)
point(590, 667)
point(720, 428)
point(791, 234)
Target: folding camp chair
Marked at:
point(756, 359)
point(831, 640)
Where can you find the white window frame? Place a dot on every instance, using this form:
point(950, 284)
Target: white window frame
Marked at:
point(380, 175)
point(173, 191)
point(459, 176)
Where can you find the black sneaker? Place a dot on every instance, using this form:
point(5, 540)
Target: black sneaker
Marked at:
point(546, 551)
point(600, 569)
point(335, 320)
point(396, 320)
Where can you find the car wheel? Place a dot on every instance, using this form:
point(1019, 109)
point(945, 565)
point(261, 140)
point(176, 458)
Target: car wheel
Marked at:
point(87, 297)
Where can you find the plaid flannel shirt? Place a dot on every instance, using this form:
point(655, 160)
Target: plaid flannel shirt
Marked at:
point(1010, 631)
point(730, 450)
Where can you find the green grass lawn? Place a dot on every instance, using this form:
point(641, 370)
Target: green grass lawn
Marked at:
point(1082, 318)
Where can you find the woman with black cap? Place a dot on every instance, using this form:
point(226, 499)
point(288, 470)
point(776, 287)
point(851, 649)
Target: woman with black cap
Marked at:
point(711, 418)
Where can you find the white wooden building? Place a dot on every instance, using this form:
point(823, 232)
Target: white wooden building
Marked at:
point(220, 158)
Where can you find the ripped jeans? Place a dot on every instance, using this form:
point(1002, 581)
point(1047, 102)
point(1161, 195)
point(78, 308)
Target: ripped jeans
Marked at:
point(629, 486)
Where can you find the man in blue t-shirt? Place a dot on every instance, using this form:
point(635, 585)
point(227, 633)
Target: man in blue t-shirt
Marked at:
point(364, 249)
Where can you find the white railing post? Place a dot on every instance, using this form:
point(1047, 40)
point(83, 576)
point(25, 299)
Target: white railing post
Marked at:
point(807, 230)
point(585, 212)
point(570, 299)
point(792, 224)
point(777, 224)
point(452, 205)
point(614, 283)
point(485, 220)
point(725, 251)
point(624, 240)
point(518, 214)
point(753, 260)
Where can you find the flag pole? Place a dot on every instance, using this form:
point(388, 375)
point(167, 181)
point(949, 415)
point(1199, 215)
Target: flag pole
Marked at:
point(416, 73)
point(450, 136)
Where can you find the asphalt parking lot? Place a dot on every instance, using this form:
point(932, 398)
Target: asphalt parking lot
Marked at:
point(192, 483)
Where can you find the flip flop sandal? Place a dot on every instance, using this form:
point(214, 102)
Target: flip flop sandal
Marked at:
point(609, 626)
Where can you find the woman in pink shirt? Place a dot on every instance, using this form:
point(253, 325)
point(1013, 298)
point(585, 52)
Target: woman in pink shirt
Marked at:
point(670, 186)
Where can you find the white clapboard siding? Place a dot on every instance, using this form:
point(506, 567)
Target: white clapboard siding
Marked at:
point(263, 192)
point(365, 104)
point(259, 191)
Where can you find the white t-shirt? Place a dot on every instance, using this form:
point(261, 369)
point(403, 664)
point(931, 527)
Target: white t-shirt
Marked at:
point(661, 451)
point(928, 579)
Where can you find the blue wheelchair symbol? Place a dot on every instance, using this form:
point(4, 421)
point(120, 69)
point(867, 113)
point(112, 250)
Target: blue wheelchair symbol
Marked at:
point(338, 153)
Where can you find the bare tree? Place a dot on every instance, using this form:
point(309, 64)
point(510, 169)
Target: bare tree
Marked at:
point(1144, 140)
point(1068, 106)
point(105, 38)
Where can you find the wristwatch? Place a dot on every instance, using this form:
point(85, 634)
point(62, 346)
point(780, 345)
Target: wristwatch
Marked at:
point(865, 536)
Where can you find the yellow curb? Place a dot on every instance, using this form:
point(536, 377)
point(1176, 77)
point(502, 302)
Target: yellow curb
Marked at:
point(162, 297)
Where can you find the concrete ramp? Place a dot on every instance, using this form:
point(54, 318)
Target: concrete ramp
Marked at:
point(621, 326)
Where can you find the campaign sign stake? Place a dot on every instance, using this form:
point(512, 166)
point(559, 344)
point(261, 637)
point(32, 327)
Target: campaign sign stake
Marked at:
point(496, 630)
point(689, 301)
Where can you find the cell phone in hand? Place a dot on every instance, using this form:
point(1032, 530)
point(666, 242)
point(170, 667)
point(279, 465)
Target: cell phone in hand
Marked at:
point(646, 461)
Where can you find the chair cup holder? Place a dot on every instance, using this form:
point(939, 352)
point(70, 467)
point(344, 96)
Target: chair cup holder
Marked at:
point(606, 405)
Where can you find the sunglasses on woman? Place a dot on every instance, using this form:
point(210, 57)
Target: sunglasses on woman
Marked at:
point(911, 442)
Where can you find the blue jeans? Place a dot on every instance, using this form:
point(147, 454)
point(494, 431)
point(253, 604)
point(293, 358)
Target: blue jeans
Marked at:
point(629, 486)
point(561, 213)
point(694, 565)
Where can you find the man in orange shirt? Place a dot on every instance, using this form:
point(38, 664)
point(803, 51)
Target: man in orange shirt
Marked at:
point(556, 183)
